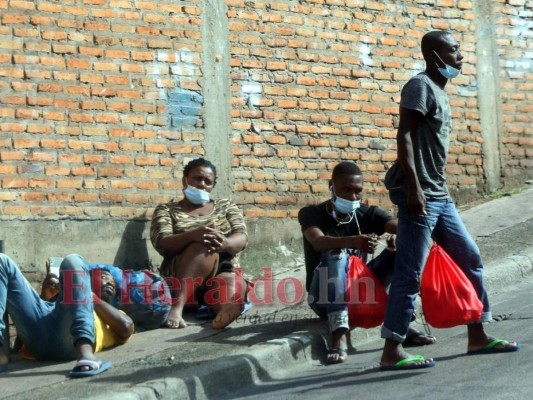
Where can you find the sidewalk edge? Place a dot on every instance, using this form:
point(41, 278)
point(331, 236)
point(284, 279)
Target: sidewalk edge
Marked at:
point(219, 379)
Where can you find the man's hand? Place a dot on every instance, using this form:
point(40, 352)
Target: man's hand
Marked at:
point(391, 243)
point(50, 287)
point(416, 202)
point(366, 243)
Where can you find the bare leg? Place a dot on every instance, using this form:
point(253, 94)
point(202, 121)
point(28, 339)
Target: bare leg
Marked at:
point(84, 351)
point(190, 268)
point(232, 289)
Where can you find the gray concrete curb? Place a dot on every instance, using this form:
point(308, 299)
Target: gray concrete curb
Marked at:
point(507, 271)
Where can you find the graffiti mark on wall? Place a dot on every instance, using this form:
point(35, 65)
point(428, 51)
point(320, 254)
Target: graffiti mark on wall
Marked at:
point(251, 91)
point(185, 108)
point(364, 54)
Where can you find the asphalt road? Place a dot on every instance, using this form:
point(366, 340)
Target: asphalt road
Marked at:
point(456, 375)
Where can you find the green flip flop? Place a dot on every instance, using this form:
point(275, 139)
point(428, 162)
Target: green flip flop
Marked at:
point(492, 349)
point(408, 363)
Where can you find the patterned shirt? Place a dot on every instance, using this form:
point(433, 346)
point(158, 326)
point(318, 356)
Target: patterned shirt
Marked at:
point(170, 218)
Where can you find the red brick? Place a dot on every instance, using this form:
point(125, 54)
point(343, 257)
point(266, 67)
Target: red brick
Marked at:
point(33, 196)
point(252, 213)
point(15, 210)
point(111, 198)
point(25, 143)
point(8, 196)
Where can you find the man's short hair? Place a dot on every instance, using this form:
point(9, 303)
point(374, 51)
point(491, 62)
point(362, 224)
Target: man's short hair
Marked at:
point(100, 272)
point(433, 41)
point(345, 168)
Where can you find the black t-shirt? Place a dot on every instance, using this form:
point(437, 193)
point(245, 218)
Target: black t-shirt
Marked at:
point(371, 219)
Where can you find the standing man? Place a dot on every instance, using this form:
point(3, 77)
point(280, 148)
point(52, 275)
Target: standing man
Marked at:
point(417, 185)
point(333, 231)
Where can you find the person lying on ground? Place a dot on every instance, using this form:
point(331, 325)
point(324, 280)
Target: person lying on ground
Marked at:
point(333, 231)
point(200, 238)
point(79, 323)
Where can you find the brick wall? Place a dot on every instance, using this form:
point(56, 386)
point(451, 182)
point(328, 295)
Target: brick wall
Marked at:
point(514, 21)
point(102, 102)
point(318, 81)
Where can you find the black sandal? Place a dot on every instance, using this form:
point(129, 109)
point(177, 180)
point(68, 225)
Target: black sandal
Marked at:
point(417, 338)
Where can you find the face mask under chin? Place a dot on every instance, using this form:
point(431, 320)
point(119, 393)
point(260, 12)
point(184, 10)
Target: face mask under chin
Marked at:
point(345, 206)
point(196, 196)
point(447, 71)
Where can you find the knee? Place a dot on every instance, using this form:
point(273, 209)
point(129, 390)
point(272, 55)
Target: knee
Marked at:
point(197, 247)
point(334, 258)
point(474, 257)
point(196, 254)
point(73, 262)
point(5, 262)
point(194, 250)
point(387, 258)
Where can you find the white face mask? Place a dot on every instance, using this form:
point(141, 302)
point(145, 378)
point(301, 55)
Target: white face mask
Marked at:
point(447, 71)
point(345, 206)
point(196, 196)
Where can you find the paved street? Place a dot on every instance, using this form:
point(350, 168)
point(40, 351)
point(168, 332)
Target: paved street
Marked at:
point(456, 376)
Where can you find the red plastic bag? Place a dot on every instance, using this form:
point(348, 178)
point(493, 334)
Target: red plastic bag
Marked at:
point(366, 297)
point(448, 297)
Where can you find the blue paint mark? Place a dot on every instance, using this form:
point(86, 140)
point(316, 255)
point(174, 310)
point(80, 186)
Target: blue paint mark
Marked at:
point(191, 110)
point(183, 122)
point(185, 108)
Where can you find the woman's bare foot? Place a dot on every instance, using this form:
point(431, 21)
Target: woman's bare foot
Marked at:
point(175, 318)
point(227, 314)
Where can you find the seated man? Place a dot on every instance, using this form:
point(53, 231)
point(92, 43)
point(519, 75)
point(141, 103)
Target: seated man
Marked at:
point(77, 324)
point(334, 230)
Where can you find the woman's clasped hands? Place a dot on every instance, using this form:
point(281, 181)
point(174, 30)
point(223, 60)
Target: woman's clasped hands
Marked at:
point(210, 237)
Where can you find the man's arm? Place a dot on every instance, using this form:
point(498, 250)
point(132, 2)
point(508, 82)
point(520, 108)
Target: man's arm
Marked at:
point(321, 242)
point(409, 120)
point(119, 322)
point(391, 226)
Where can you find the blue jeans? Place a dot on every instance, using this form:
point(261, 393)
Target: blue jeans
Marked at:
point(413, 242)
point(49, 329)
point(328, 286)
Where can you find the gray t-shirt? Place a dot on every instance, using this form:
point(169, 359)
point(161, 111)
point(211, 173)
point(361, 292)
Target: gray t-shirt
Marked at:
point(432, 139)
